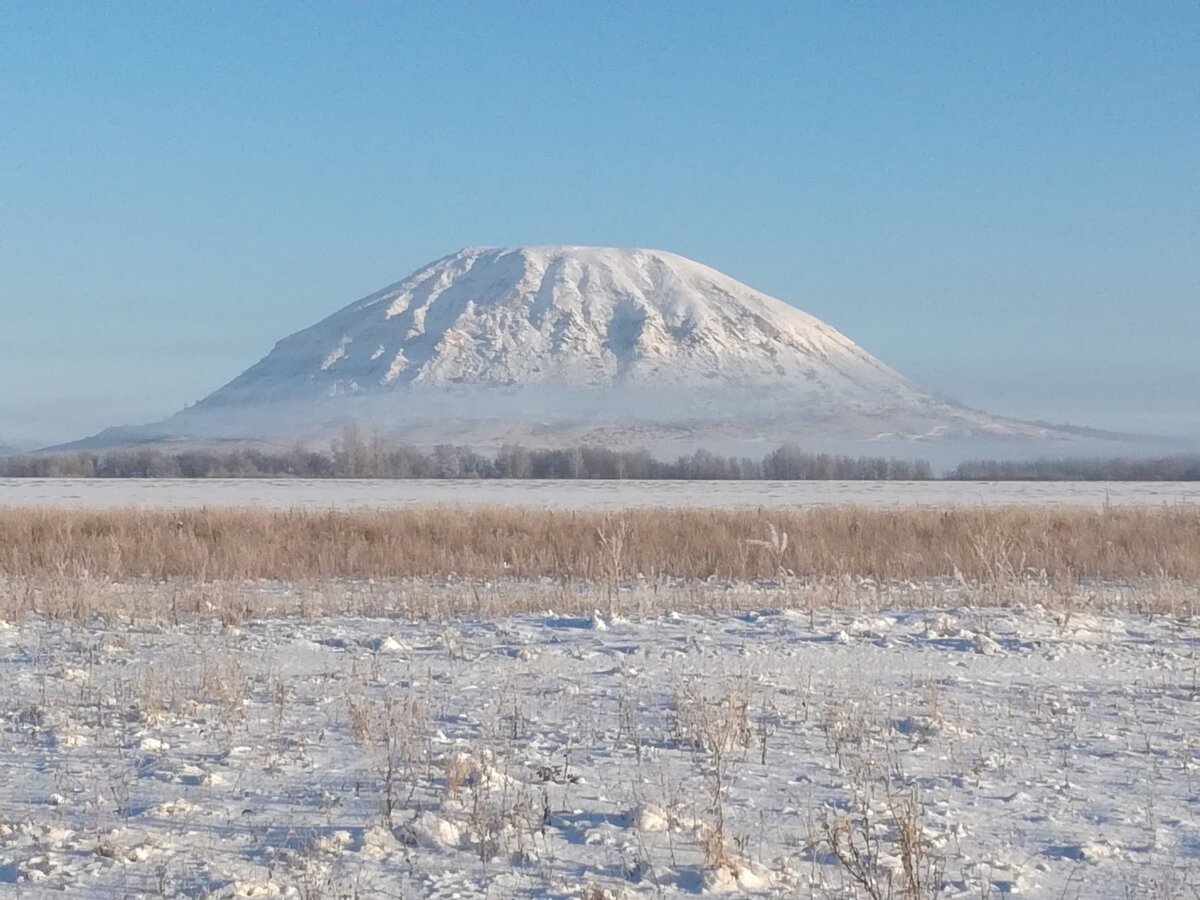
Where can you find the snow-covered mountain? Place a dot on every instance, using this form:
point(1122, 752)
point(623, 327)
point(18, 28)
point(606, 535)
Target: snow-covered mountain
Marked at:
point(568, 316)
point(563, 344)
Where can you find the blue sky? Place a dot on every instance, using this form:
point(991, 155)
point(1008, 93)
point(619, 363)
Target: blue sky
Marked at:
point(1002, 200)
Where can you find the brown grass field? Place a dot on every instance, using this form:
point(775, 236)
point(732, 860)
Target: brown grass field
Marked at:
point(985, 544)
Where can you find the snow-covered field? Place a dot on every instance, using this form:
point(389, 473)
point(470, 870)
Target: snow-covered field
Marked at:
point(990, 750)
point(449, 738)
point(281, 493)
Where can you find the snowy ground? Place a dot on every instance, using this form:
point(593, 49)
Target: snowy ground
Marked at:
point(324, 493)
point(993, 750)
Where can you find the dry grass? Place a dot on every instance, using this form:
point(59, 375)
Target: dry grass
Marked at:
point(233, 604)
point(988, 544)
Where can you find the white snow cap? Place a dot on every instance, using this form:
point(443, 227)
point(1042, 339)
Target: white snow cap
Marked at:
point(579, 316)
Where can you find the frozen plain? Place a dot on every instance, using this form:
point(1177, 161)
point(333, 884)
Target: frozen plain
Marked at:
point(659, 754)
point(326, 493)
point(232, 740)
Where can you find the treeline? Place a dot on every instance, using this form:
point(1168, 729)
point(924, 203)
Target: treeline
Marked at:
point(353, 457)
point(1169, 468)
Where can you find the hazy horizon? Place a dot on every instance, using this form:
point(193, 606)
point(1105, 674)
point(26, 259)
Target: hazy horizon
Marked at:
point(997, 201)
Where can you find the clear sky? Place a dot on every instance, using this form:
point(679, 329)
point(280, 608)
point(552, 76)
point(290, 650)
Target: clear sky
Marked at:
point(1002, 200)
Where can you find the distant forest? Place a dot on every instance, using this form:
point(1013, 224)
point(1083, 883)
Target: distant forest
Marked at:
point(355, 457)
point(1167, 468)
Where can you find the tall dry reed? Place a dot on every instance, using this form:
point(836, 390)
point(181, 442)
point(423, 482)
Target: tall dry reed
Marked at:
point(496, 542)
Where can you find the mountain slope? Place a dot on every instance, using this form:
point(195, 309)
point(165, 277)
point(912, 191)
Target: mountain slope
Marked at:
point(562, 344)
